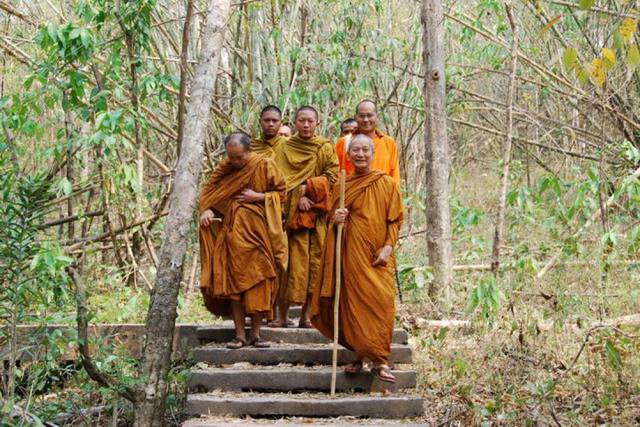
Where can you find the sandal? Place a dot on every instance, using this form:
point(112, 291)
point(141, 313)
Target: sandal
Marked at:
point(305, 324)
point(236, 343)
point(383, 373)
point(353, 367)
point(258, 342)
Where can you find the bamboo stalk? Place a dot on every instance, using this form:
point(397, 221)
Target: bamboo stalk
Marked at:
point(336, 302)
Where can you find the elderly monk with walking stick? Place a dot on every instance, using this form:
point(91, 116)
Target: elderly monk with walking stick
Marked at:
point(310, 167)
point(372, 216)
point(242, 255)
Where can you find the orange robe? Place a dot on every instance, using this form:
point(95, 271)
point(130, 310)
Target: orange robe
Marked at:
point(242, 256)
point(266, 146)
point(384, 159)
point(367, 295)
point(300, 160)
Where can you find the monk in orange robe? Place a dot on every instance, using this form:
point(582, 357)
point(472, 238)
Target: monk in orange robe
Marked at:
point(270, 124)
point(372, 217)
point(386, 158)
point(242, 242)
point(310, 167)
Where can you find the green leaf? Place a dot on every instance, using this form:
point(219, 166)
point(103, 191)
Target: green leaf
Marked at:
point(65, 187)
point(586, 4)
point(633, 57)
point(569, 58)
point(613, 355)
point(75, 34)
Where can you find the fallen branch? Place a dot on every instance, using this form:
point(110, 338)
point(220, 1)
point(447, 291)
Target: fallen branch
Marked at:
point(15, 12)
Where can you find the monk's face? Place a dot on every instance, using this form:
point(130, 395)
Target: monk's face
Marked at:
point(236, 153)
point(270, 123)
point(284, 131)
point(361, 155)
point(306, 124)
point(367, 117)
point(349, 129)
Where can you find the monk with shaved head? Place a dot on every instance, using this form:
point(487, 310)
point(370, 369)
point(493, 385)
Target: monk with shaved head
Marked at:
point(270, 124)
point(386, 158)
point(310, 167)
point(372, 217)
point(243, 248)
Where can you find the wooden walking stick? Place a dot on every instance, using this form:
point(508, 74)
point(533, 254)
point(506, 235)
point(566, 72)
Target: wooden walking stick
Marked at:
point(336, 296)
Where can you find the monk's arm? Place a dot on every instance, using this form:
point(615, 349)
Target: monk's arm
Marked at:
point(395, 163)
point(276, 182)
point(394, 216)
point(330, 164)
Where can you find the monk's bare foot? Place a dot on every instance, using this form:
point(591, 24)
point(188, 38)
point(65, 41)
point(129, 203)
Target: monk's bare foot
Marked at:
point(278, 324)
point(353, 367)
point(305, 324)
point(236, 343)
point(383, 373)
point(258, 342)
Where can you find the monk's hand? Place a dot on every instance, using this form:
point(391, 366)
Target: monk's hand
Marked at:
point(305, 204)
point(207, 218)
point(340, 216)
point(250, 196)
point(384, 256)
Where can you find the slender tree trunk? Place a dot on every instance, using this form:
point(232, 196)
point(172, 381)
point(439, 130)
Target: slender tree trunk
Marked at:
point(162, 311)
point(184, 66)
point(436, 148)
point(506, 149)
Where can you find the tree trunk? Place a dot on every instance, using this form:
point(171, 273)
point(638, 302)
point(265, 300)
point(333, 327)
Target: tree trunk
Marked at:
point(162, 311)
point(506, 149)
point(436, 148)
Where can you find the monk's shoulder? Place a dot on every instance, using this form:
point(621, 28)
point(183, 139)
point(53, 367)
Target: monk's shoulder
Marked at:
point(327, 147)
point(388, 184)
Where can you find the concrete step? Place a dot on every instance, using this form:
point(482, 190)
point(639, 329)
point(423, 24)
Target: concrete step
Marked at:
point(291, 379)
point(226, 332)
point(287, 353)
point(296, 422)
point(309, 405)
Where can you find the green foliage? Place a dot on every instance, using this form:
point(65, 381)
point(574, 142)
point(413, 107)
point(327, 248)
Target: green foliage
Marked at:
point(485, 299)
point(33, 285)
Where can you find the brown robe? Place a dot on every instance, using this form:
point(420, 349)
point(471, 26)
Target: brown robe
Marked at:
point(242, 256)
point(267, 146)
point(367, 296)
point(300, 160)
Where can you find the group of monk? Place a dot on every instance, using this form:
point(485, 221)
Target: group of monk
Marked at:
point(268, 220)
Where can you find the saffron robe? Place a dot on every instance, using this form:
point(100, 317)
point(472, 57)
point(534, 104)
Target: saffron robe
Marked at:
point(300, 160)
point(242, 257)
point(385, 157)
point(367, 293)
point(266, 146)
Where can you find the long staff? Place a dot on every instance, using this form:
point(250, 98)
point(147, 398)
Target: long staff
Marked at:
point(336, 302)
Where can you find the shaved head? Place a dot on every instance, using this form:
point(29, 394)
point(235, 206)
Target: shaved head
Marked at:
point(307, 108)
point(362, 138)
point(368, 103)
point(238, 138)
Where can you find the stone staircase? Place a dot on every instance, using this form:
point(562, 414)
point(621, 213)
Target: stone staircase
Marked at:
point(292, 379)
